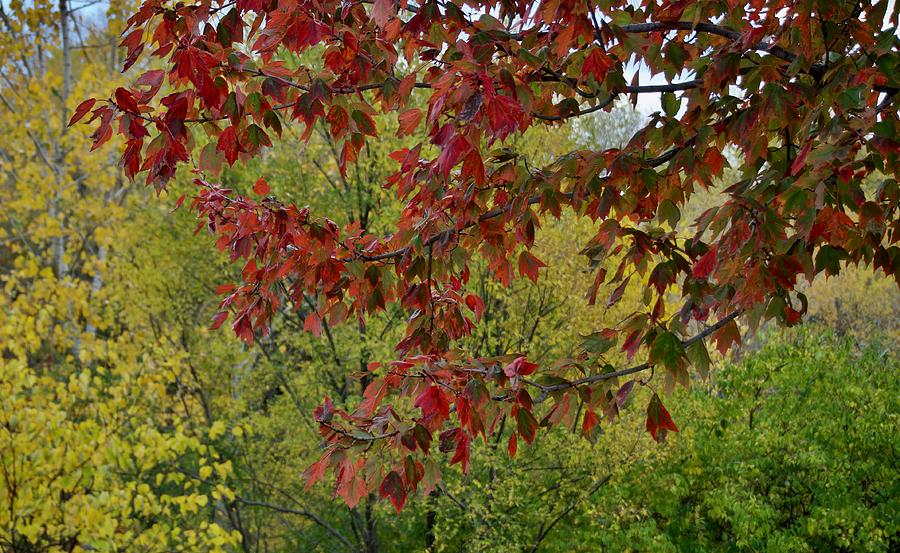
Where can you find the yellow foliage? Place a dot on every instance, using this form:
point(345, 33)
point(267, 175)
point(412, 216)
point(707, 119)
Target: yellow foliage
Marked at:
point(858, 302)
point(100, 449)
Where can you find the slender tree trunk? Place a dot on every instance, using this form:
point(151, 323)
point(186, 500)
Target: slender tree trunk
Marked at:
point(67, 64)
point(59, 155)
point(370, 533)
point(430, 520)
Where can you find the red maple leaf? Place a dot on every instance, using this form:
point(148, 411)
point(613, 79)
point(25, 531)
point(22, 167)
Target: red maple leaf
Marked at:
point(435, 406)
point(393, 487)
point(705, 265)
point(597, 64)
point(658, 419)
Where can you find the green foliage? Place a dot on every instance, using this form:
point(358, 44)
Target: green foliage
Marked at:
point(793, 449)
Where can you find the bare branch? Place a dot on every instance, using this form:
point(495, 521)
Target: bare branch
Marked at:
point(299, 512)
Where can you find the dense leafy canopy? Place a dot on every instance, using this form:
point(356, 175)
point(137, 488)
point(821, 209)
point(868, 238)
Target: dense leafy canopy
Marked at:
point(802, 93)
point(767, 463)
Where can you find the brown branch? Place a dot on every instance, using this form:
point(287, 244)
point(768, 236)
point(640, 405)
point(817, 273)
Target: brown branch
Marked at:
point(629, 89)
point(713, 29)
point(304, 513)
point(545, 531)
point(547, 390)
point(358, 438)
point(816, 70)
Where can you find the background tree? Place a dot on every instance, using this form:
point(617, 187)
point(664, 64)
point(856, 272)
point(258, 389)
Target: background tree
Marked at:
point(99, 449)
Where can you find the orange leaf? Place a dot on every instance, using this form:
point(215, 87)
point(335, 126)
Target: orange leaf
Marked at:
point(590, 421)
point(529, 265)
point(261, 187)
point(409, 121)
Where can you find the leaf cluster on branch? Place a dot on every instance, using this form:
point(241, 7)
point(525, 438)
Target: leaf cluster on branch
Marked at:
point(802, 93)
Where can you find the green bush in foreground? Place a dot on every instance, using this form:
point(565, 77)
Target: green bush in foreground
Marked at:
point(794, 449)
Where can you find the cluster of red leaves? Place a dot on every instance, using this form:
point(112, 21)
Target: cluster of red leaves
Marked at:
point(802, 92)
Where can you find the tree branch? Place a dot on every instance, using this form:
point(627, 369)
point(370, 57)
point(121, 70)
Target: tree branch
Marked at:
point(547, 390)
point(712, 29)
point(304, 513)
point(545, 531)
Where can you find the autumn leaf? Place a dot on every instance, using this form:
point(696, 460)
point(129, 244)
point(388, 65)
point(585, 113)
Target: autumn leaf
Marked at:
point(519, 367)
point(714, 160)
point(597, 64)
point(225, 288)
point(393, 487)
point(617, 293)
point(476, 304)
point(261, 188)
point(324, 412)
point(409, 121)
point(463, 452)
point(599, 342)
point(598, 280)
point(315, 471)
point(82, 110)
point(529, 265)
point(623, 393)
point(589, 422)
point(382, 11)
point(372, 396)
point(705, 265)
point(351, 487)
point(313, 324)
point(800, 160)
point(228, 144)
point(219, 319)
point(243, 328)
point(434, 405)
point(727, 336)
point(526, 424)
point(125, 100)
point(658, 419)
point(471, 107)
